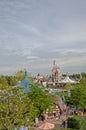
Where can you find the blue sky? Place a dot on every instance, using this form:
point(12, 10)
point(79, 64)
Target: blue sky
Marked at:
point(33, 33)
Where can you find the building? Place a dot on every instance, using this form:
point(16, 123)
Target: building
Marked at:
point(25, 83)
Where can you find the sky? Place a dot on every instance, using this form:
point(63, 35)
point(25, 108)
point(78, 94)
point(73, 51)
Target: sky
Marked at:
point(34, 33)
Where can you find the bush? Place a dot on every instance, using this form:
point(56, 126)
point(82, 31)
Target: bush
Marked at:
point(78, 123)
point(68, 129)
point(73, 123)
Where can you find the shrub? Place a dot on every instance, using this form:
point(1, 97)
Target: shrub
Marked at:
point(78, 123)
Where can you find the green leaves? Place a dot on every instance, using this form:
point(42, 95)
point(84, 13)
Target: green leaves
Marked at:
point(78, 94)
point(18, 108)
point(41, 98)
point(15, 108)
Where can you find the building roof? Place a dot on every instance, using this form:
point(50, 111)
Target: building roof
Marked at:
point(67, 80)
point(25, 83)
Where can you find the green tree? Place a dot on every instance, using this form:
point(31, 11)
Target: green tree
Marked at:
point(16, 109)
point(75, 76)
point(41, 98)
point(20, 75)
point(3, 80)
point(78, 94)
point(11, 80)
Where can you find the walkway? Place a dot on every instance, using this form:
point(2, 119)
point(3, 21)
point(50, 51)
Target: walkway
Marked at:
point(57, 122)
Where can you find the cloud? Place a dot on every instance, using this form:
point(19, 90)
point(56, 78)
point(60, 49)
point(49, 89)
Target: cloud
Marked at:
point(30, 29)
point(73, 32)
point(34, 33)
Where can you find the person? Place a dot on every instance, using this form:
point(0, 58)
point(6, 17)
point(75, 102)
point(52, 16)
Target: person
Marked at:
point(59, 115)
point(46, 116)
point(36, 121)
point(64, 124)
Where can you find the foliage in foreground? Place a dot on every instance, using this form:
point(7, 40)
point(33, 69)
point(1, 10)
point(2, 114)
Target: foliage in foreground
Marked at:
point(15, 109)
point(77, 122)
point(78, 95)
point(41, 98)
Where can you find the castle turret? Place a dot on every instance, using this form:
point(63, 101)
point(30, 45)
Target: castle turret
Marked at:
point(56, 74)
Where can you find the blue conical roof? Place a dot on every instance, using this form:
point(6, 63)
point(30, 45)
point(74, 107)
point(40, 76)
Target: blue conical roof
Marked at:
point(25, 83)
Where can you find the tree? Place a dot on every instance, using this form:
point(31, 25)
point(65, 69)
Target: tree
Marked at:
point(78, 94)
point(16, 109)
point(41, 98)
point(11, 80)
point(3, 80)
point(19, 75)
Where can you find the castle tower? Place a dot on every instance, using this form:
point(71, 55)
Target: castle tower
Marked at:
point(56, 74)
point(25, 83)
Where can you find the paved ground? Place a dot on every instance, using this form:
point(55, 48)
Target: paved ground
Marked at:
point(57, 122)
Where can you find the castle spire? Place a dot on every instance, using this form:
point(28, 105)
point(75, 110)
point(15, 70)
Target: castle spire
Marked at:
point(55, 71)
point(54, 62)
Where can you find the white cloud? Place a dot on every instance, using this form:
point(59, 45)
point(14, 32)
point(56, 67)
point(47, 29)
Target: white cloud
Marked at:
point(69, 32)
point(31, 29)
point(35, 33)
